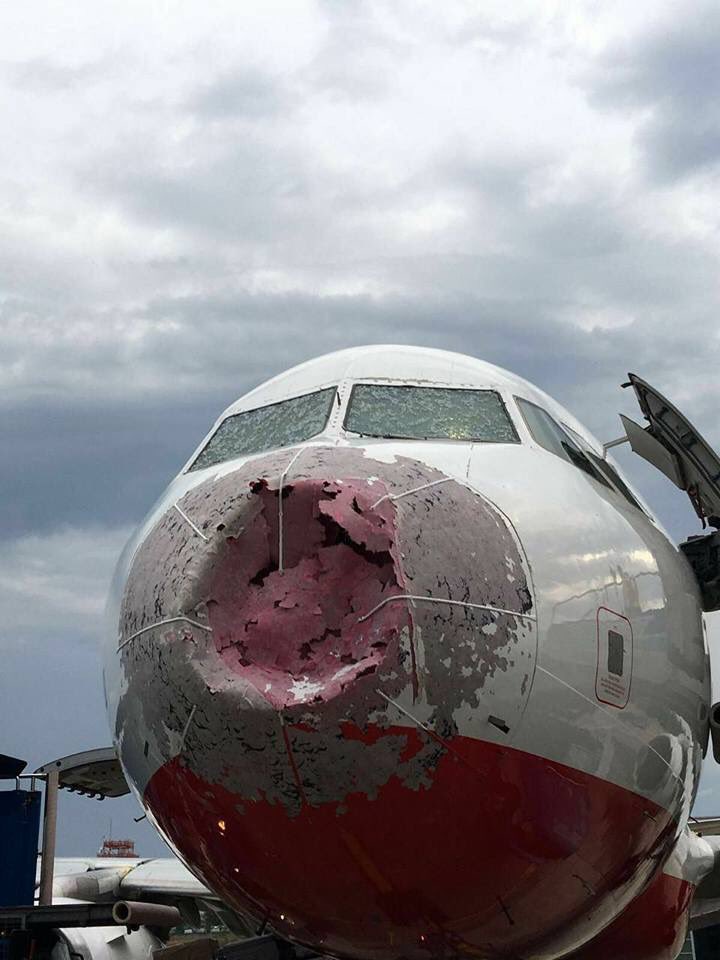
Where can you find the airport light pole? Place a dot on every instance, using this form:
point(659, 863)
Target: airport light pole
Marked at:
point(47, 863)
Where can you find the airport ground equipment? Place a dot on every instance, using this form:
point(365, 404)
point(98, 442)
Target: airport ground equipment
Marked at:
point(19, 823)
point(99, 926)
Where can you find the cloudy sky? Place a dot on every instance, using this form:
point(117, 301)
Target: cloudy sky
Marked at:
point(196, 196)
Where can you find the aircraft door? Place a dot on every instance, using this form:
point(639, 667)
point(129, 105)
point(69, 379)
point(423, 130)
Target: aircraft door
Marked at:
point(673, 445)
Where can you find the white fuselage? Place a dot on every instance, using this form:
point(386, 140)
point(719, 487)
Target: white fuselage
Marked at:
point(604, 581)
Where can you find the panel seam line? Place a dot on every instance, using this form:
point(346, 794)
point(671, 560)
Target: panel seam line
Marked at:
point(162, 623)
point(187, 519)
point(454, 603)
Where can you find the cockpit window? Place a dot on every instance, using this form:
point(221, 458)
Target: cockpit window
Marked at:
point(429, 413)
point(276, 425)
point(606, 468)
point(611, 472)
point(543, 428)
point(549, 434)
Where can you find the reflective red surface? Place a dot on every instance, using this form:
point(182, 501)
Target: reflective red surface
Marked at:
point(652, 928)
point(502, 852)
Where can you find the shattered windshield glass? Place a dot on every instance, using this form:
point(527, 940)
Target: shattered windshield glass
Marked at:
point(429, 413)
point(266, 428)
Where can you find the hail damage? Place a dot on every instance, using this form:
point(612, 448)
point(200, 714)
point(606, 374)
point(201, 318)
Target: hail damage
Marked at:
point(293, 632)
point(278, 686)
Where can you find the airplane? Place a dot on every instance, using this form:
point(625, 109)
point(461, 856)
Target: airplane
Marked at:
point(117, 880)
point(402, 666)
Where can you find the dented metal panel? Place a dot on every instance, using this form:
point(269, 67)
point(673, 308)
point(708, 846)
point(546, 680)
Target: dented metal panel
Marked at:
point(275, 662)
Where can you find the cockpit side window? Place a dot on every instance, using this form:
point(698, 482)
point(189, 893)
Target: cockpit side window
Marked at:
point(606, 468)
point(429, 413)
point(611, 472)
point(265, 428)
point(550, 435)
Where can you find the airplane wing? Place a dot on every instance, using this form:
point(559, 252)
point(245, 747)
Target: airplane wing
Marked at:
point(162, 880)
point(98, 878)
point(163, 877)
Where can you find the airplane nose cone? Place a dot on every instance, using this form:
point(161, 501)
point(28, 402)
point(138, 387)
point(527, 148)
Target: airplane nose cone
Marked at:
point(287, 598)
point(325, 656)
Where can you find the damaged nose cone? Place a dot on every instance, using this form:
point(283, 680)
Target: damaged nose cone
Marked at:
point(287, 594)
point(325, 657)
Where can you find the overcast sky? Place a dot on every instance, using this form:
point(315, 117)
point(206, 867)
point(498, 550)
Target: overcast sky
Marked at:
point(195, 196)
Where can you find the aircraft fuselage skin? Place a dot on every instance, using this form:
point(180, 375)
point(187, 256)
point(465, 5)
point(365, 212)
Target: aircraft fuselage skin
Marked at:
point(408, 698)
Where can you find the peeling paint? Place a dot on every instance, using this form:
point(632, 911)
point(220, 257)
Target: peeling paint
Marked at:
point(292, 694)
point(294, 633)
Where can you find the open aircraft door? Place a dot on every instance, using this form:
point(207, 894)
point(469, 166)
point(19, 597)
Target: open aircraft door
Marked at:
point(672, 444)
